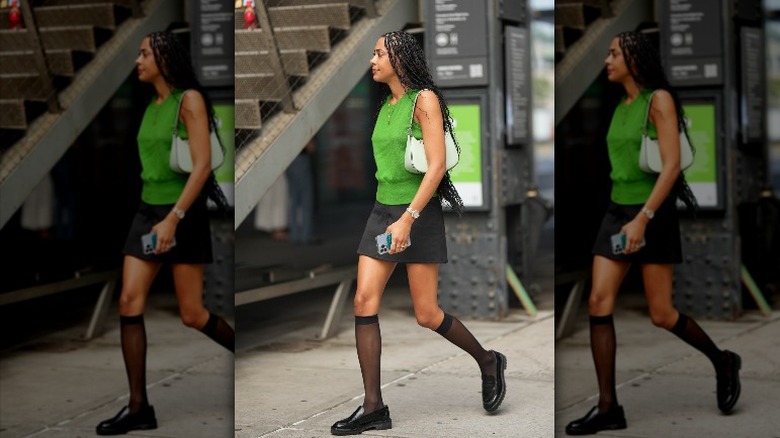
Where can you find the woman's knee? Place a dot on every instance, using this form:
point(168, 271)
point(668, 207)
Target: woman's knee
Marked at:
point(429, 319)
point(600, 303)
point(663, 317)
point(366, 304)
point(131, 302)
point(194, 318)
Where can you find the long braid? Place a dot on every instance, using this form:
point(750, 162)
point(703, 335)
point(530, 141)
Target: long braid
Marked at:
point(172, 57)
point(408, 60)
point(644, 65)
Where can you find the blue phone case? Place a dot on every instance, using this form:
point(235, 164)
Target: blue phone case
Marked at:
point(385, 240)
point(619, 243)
point(149, 242)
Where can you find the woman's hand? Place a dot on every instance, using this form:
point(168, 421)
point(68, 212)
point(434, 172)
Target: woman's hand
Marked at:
point(400, 230)
point(635, 232)
point(165, 231)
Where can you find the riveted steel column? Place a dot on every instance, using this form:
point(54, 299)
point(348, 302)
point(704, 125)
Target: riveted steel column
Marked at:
point(465, 45)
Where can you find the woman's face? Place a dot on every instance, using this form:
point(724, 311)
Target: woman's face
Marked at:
point(617, 69)
point(145, 64)
point(381, 69)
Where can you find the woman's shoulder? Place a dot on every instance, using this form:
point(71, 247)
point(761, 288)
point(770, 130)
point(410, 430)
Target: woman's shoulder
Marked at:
point(191, 99)
point(662, 99)
point(426, 98)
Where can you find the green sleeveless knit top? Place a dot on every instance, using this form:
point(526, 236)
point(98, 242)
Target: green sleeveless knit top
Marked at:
point(161, 185)
point(395, 185)
point(630, 185)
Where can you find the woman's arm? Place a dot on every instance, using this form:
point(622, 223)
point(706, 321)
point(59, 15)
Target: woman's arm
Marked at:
point(664, 116)
point(194, 116)
point(427, 113)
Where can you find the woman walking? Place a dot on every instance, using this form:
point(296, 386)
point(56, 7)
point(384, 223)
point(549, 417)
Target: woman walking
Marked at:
point(643, 209)
point(173, 208)
point(408, 207)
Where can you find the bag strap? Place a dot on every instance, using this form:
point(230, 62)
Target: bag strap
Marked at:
point(411, 117)
point(176, 123)
point(647, 113)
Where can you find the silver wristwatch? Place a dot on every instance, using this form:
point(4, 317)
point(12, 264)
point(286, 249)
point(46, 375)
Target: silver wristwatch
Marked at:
point(649, 213)
point(179, 213)
point(415, 214)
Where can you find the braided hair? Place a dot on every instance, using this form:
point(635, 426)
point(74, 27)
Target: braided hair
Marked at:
point(408, 61)
point(173, 60)
point(644, 65)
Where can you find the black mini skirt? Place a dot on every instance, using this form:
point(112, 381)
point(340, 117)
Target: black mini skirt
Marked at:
point(193, 234)
point(662, 234)
point(429, 244)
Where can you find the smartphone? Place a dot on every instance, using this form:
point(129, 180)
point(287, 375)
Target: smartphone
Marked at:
point(385, 240)
point(619, 243)
point(149, 243)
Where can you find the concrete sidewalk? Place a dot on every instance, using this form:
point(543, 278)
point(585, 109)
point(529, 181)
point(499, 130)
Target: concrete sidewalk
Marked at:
point(668, 388)
point(288, 385)
point(58, 386)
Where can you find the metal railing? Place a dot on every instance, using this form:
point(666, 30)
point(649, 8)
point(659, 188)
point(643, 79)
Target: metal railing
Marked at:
point(42, 46)
point(278, 43)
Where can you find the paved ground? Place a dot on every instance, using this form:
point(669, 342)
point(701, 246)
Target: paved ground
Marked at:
point(288, 385)
point(666, 387)
point(55, 385)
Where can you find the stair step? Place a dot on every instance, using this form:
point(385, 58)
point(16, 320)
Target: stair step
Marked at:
point(294, 62)
point(312, 38)
point(355, 3)
point(60, 62)
point(332, 15)
point(248, 114)
point(98, 15)
point(577, 16)
point(594, 3)
point(250, 41)
point(23, 86)
point(565, 37)
point(12, 114)
point(15, 40)
point(124, 3)
point(72, 37)
point(264, 87)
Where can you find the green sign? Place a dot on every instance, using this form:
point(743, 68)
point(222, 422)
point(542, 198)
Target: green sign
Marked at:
point(225, 174)
point(702, 176)
point(226, 114)
point(467, 175)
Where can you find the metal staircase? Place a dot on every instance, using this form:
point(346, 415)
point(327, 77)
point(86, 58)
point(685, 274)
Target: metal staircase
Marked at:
point(583, 31)
point(70, 61)
point(292, 72)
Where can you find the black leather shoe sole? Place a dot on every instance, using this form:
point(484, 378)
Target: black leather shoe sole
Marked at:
point(375, 425)
point(726, 408)
point(359, 422)
point(123, 431)
point(123, 422)
point(501, 382)
point(592, 422)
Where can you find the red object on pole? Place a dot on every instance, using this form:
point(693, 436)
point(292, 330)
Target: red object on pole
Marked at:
point(249, 18)
point(14, 18)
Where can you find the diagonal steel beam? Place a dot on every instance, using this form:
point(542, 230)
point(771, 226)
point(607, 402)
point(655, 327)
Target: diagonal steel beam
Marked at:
point(585, 58)
point(262, 161)
point(50, 135)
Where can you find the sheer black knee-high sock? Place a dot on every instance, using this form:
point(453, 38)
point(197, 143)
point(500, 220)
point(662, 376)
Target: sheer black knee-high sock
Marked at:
point(133, 334)
point(689, 331)
point(368, 340)
point(220, 331)
point(603, 347)
point(454, 331)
